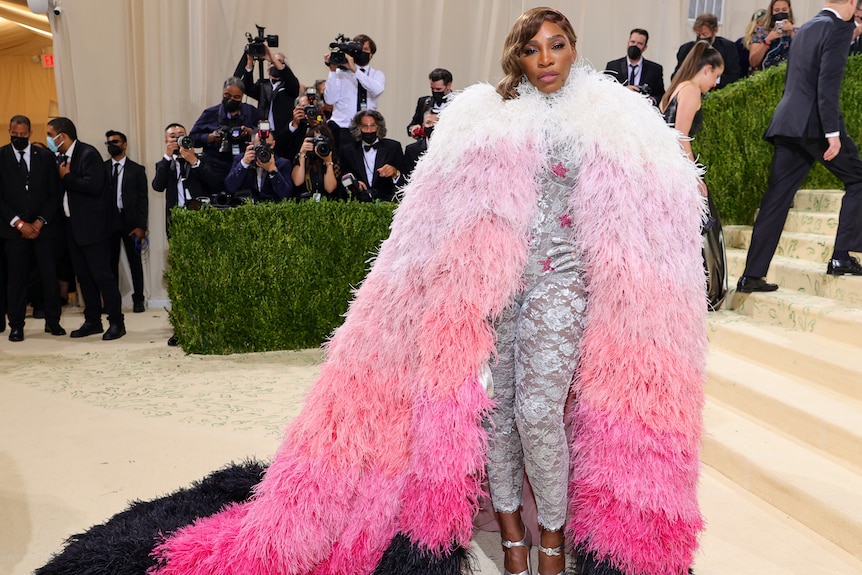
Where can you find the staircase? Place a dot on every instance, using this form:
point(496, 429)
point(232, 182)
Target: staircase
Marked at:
point(783, 443)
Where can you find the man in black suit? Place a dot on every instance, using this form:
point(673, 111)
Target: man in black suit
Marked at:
point(275, 94)
point(29, 221)
point(129, 192)
point(856, 44)
point(376, 161)
point(441, 96)
point(183, 175)
point(808, 126)
point(706, 28)
point(414, 151)
point(87, 203)
point(636, 72)
point(266, 176)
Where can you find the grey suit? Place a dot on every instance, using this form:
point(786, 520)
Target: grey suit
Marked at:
point(809, 109)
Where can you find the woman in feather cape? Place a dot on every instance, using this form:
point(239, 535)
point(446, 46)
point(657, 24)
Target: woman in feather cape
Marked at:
point(383, 469)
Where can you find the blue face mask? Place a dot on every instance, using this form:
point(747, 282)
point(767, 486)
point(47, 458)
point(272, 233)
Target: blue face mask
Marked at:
point(52, 144)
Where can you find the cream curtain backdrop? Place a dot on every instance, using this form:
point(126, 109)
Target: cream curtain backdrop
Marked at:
point(135, 65)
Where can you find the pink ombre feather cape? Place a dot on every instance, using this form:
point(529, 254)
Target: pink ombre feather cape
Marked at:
point(390, 439)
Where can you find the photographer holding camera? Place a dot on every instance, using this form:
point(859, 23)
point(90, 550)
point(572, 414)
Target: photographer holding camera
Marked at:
point(441, 95)
point(316, 169)
point(308, 113)
point(274, 93)
point(636, 72)
point(183, 175)
point(223, 131)
point(352, 85)
point(376, 161)
point(260, 171)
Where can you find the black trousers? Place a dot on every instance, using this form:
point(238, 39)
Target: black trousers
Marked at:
point(791, 162)
point(92, 264)
point(135, 266)
point(20, 255)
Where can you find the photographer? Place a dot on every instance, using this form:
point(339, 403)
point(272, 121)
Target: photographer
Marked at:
point(414, 151)
point(223, 131)
point(636, 72)
point(276, 93)
point(258, 170)
point(441, 94)
point(316, 170)
point(308, 113)
point(182, 174)
point(375, 161)
point(352, 85)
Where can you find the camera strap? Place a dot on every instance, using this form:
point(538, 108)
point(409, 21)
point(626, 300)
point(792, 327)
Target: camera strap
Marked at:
point(361, 95)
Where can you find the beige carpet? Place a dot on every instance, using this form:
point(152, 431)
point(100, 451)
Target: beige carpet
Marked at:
point(87, 425)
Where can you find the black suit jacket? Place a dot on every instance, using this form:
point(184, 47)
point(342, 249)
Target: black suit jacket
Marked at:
point(199, 182)
point(652, 75)
point(282, 99)
point(728, 52)
point(818, 55)
point(43, 198)
point(273, 188)
point(89, 195)
point(388, 152)
point(136, 203)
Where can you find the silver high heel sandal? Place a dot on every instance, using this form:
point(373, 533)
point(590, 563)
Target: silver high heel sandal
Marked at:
point(521, 543)
point(553, 552)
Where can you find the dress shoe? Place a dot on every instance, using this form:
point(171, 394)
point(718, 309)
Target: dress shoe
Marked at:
point(749, 285)
point(87, 328)
point(138, 307)
point(841, 267)
point(54, 329)
point(115, 331)
point(16, 334)
point(173, 341)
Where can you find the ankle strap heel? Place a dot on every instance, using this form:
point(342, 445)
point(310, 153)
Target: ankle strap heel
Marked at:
point(553, 552)
point(521, 543)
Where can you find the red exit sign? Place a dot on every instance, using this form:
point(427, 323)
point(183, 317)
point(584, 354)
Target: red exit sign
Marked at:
point(47, 60)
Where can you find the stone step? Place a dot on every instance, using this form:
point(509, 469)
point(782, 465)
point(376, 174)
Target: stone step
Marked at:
point(746, 535)
point(835, 365)
point(822, 418)
point(808, 313)
point(810, 247)
point(803, 276)
point(824, 223)
point(807, 485)
point(818, 201)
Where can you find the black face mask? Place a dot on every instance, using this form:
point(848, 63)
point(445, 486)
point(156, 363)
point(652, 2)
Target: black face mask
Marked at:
point(428, 131)
point(114, 150)
point(437, 97)
point(634, 53)
point(362, 58)
point(20, 142)
point(231, 105)
point(779, 16)
point(274, 73)
point(369, 137)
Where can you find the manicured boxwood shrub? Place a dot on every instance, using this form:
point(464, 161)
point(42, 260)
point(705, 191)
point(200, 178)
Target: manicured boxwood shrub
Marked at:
point(268, 276)
point(732, 148)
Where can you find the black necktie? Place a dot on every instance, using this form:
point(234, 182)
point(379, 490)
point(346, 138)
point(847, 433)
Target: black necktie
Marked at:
point(23, 165)
point(61, 159)
point(632, 75)
point(115, 176)
point(361, 96)
point(368, 147)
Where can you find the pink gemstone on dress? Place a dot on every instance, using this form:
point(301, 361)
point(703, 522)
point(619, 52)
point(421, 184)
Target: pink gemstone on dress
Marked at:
point(546, 265)
point(565, 221)
point(560, 170)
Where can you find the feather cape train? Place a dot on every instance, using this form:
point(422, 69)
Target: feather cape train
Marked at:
point(389, 448)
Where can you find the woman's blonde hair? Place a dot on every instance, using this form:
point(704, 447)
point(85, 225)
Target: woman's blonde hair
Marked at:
point(522, 31)
point(756, 20)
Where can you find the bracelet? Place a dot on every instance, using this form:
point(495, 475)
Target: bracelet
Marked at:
point(301, 156)
point(328, 163)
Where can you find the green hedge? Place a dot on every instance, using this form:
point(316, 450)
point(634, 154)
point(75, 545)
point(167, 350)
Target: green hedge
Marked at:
point(268, 276)
point(732, 148)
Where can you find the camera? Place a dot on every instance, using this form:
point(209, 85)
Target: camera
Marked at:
point(645, 89)
point(343, 45)
point(321, 145)
point(184, 142)
point(312, 112)
point(256, 47)
point(263, 153)
point(229, 136)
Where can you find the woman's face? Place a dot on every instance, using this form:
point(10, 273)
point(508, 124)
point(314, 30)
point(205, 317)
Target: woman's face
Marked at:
point(712, 75)
point(780, 6)
point(547, 58)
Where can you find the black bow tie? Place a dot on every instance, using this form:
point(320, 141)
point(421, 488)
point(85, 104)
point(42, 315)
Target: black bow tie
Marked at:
point(367, 147)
